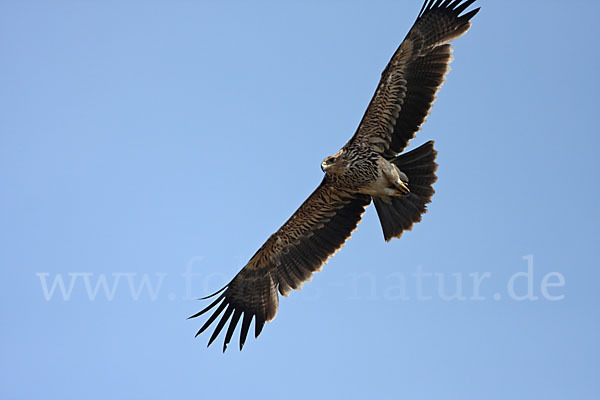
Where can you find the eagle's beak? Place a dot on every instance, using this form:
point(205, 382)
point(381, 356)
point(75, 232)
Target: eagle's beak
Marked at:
point(323, 166)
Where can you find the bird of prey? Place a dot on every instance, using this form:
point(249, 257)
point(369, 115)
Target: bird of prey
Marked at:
point(367, 168)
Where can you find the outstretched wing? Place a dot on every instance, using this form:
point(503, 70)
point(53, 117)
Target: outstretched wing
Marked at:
point(409, 83)
point(287, 259)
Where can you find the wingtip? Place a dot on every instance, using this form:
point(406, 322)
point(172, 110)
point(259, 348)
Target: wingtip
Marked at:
point(214, 294)
point(210, 341)
point(209, 307)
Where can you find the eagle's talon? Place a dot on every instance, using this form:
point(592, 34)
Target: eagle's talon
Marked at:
point(402, 188)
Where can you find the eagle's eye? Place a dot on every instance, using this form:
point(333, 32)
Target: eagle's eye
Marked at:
point(331, 160)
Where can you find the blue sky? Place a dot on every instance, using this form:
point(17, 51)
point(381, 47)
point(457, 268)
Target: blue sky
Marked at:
point(141, 140)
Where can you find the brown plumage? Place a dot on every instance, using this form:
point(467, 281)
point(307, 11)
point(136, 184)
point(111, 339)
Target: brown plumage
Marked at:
point(367, 167)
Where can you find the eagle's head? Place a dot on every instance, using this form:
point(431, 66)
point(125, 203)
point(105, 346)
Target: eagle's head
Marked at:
point(333, 164)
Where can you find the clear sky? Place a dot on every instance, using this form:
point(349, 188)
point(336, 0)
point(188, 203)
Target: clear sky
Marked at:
point(143, 139)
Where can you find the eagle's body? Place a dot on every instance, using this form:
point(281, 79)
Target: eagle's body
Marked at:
point(359, 169)
point(367, 168)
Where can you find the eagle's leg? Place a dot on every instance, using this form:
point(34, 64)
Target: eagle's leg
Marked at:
point(397, 179)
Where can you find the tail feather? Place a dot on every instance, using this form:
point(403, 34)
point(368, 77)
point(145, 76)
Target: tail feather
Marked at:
point(398, 214)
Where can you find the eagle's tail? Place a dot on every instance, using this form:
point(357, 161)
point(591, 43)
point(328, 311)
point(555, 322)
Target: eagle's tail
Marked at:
point(398, 214)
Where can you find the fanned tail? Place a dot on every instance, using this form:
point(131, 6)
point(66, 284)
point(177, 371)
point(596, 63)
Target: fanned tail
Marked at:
point(398, 214)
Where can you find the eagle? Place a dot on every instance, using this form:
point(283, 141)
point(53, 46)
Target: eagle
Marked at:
point(367, 168)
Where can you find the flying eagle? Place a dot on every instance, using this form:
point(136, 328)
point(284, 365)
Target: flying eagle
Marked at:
point(367, 168)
